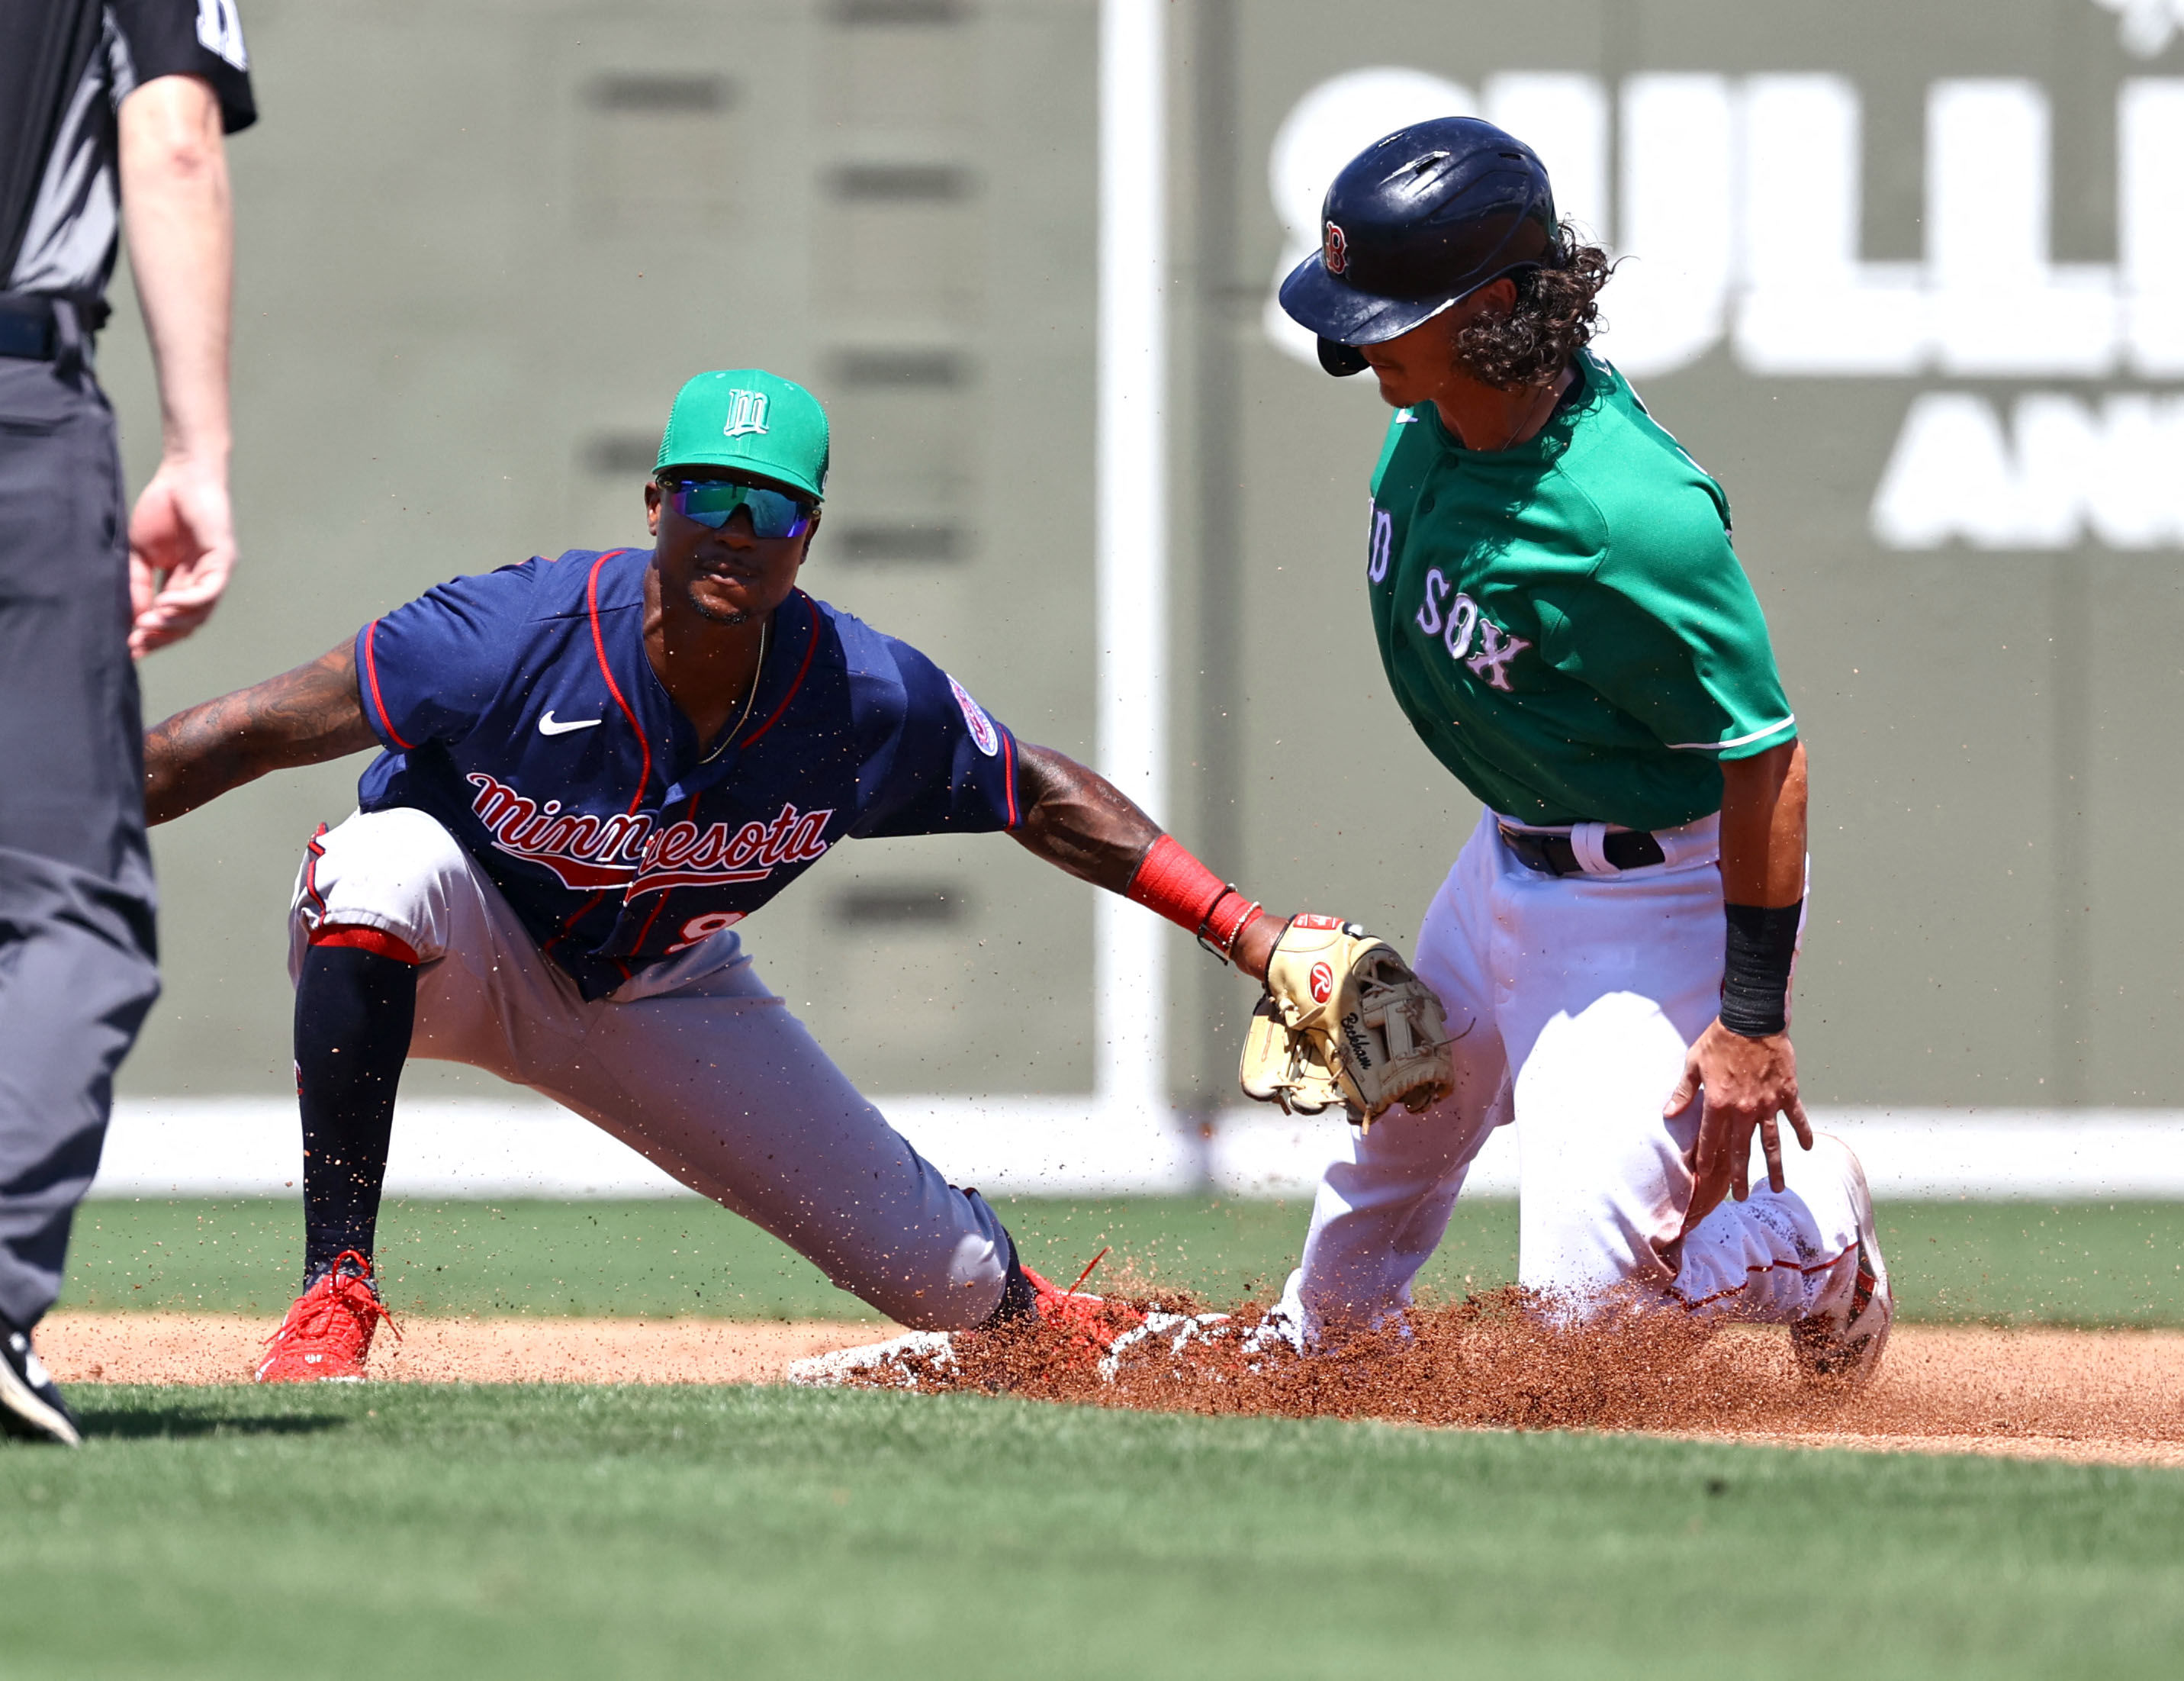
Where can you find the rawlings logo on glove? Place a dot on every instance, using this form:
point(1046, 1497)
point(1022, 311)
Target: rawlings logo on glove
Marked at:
point(1344, 1021)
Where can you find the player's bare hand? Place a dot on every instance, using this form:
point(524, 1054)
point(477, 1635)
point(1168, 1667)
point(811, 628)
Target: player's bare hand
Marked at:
point(181, 552)
point(1747, 1084)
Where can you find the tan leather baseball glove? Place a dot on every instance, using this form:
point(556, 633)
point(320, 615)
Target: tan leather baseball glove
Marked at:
point(1344, 1021)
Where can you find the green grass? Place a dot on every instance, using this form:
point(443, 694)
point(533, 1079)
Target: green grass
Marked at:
point(672, 1257)
point(2010, 1263)
point(485, 1533)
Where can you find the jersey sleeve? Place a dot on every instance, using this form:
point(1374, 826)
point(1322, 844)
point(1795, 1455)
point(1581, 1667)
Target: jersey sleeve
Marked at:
point(429, 671)
point(202, 38)
point(1669, 631)
point(953, 770)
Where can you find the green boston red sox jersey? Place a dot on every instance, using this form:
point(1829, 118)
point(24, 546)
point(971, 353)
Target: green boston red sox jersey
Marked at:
point(1565, 622)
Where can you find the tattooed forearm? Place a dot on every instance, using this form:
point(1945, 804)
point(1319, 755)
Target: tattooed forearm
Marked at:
point(300, 718)
point(1077, 819)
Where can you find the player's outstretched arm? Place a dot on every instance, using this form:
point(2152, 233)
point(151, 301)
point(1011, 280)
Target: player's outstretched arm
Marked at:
point(1320, 970)
point(300, 718)
point(1078, 821)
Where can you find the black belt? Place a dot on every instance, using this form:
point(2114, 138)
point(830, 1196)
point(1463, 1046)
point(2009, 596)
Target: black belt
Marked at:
point(1553, 855)
point(31, 327)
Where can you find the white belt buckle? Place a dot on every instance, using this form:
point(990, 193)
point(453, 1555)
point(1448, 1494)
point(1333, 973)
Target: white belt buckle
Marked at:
point(1588, 841)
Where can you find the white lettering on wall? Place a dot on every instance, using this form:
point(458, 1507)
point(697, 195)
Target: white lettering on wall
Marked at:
point(2146, 27)
point(1810, 305)
point(2064, 469)
point(2150, 221)
point(1737, 212)
point(1738, 207)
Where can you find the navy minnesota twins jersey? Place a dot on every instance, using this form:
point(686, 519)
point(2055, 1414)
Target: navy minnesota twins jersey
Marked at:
point(519, 709)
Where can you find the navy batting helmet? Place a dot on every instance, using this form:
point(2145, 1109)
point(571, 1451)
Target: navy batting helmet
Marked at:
point(1414, 223)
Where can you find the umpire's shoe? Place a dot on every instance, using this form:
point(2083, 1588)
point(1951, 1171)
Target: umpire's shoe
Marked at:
point(31, 1404)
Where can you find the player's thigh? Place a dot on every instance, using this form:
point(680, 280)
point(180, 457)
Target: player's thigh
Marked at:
point(1454, 956)
point(1381, 1212)
point(486, 996)
point(1616, 987)
point(1403, 1158)
point(723, 1087)
point(1603, 1178)
point(1562, 945)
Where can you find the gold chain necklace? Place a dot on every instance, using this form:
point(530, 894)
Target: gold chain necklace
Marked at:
point(749, 699)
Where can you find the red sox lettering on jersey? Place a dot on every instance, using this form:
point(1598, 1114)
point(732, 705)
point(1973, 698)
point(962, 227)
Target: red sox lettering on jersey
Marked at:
point(1460, 625)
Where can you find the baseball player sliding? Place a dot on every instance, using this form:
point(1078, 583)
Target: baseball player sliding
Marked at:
point(1565, 624)
point(592, 768)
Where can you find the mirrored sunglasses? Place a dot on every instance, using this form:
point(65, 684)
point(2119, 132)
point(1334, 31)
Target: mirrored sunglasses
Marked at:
point(712, 501)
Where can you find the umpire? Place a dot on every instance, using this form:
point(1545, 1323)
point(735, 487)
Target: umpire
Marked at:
point(111, 120)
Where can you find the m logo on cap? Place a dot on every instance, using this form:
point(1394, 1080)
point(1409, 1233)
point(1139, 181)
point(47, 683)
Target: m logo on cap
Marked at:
point(746, 413)
point(1336, 250)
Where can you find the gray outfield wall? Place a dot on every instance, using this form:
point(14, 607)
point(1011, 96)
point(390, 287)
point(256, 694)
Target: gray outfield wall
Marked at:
point(1901, 278)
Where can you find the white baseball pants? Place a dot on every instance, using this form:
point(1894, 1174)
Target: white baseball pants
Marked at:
point(713, 1079)
point(1574, 999)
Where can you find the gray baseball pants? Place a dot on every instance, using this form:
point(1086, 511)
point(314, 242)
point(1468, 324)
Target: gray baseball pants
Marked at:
point(695, 1066)
point(77, 954)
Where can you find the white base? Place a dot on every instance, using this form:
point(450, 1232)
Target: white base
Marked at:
point(483, 1147)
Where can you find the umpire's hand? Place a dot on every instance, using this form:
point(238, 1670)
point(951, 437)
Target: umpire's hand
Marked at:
point(181, 551)
point(1745, 1083)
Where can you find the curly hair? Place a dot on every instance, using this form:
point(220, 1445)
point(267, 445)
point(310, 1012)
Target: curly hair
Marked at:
point(1556, 314)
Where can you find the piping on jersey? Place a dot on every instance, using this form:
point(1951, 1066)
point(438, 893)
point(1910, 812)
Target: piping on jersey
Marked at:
point(600, 647)
point(1723, 747)
point(810, 647)
point(372, 676)
point(689, 816)
point(803, 837)
point(315, 851)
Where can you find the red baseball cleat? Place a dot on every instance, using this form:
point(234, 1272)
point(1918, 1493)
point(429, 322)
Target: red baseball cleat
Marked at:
point(1089, 1316)
point(328, 1330)
point(908, 1361)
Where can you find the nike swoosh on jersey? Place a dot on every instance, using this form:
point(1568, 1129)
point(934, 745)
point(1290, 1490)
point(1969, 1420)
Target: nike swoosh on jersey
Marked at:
point(547, 726)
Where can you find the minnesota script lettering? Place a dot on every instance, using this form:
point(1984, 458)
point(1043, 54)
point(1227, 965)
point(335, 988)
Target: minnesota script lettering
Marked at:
point(632, 851)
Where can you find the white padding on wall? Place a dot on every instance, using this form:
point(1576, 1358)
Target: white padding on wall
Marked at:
point(249, 1147)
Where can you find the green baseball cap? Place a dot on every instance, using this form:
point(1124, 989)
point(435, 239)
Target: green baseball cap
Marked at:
point(752, 420)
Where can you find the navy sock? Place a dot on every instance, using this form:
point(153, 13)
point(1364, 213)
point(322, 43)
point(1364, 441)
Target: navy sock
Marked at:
point(1018, 1299)
point(354, 1012)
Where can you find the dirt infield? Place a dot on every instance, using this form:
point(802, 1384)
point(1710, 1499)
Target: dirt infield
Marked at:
point(2107, 1396)
point(177, 1348)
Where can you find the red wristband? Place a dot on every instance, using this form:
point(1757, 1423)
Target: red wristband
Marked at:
point(1171, 882)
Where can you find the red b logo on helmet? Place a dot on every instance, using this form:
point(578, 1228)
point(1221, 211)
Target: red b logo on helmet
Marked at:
point(1336, 250)
point(1322, 983)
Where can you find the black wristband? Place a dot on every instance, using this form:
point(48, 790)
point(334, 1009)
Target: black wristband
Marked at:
point(1755, 971)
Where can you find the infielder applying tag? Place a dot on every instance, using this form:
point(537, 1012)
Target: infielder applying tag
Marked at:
point(591, 769)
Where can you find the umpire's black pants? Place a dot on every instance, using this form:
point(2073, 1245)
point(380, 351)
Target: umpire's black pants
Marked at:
point(77, 953)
